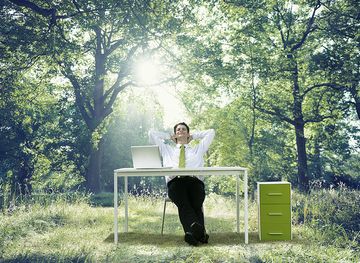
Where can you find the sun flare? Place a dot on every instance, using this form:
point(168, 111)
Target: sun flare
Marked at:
point(147, 72)
point(150, 75)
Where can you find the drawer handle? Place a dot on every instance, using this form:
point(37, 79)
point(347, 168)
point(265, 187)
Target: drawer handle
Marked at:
point(275, 214)
point(275, 194)
point(276, 234)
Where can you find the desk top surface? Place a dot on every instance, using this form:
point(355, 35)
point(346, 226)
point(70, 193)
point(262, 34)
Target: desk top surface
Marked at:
point(179, 170)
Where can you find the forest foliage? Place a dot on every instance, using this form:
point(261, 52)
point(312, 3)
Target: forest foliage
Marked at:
point(277, 80)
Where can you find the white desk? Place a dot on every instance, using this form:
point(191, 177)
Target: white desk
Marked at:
point(204, 171)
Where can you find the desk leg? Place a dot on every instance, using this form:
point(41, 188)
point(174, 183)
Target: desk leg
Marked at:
point(237, 205)
point(126, 203)
point(115, 209)
point(246, 225)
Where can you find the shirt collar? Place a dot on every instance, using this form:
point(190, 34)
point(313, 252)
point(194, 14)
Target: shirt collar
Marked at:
point(178, 145)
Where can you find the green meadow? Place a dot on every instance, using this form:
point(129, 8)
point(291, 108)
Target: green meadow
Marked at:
point(325, 229)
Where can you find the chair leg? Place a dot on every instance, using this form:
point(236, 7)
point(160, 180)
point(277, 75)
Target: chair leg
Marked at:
point(167, 199)
point(202, 208)
point(163, 217)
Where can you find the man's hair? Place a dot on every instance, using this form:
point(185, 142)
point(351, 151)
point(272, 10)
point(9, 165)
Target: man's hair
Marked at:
point(181, 123)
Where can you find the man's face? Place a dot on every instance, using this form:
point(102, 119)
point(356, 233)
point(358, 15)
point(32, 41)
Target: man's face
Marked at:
point(181, 131)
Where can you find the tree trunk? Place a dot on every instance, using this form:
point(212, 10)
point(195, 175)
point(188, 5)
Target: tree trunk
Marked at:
point(93, 102)
point(356, 98)
point(94, 169)
point(299, 125)
point(317, 159)
point(303, 179)
point(253, 111)
point(22, 185)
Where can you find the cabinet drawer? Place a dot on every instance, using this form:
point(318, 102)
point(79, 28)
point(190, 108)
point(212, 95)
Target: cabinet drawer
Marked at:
point(275, 214)
point(274, 193)
point(275, 231)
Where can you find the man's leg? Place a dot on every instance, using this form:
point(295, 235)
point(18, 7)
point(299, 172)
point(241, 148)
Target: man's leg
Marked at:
point(178, 193)
point(197, 197)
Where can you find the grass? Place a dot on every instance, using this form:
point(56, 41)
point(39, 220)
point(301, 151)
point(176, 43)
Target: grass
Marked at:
point(77, 232)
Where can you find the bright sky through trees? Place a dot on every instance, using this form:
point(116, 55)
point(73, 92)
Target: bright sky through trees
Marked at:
point(148, 72)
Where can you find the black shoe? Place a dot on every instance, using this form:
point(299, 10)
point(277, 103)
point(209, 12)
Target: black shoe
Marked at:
point(205, 239)
point(190, 239)
point(198, 230)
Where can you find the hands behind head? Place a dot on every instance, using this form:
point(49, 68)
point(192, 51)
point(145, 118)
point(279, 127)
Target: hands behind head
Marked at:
point(190, 138)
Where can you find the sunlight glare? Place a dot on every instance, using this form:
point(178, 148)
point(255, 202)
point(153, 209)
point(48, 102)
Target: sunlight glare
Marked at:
point(147, 72)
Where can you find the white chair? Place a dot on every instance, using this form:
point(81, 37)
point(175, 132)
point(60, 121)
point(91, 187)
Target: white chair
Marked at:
point(166, 200)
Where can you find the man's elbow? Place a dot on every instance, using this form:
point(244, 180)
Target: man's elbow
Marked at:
point(151, 136)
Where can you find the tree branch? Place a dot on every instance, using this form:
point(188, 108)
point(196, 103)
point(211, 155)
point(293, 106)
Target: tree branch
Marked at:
point(330, 85)
point(80, 102)
point(276, 113)
point(46, 12)
point(157, 83)
point(309, 28)
point(113, 47)
point(34, 7)
point(116, 91)
point(122, 73)
point(318, 118)
point(116, 87)
point(77, 6)
point(39, 10)
point(276, 8)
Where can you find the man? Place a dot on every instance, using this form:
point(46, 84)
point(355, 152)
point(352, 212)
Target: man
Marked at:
point(187, 192)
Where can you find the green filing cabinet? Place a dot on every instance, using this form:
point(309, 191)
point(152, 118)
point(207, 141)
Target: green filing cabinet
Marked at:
point(274, 210)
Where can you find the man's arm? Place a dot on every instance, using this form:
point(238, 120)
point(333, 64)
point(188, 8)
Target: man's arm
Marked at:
point(156, 137)
point(206, 139)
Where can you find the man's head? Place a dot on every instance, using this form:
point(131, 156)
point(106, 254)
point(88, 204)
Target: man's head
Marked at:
point(182, 125)
point(182, 132)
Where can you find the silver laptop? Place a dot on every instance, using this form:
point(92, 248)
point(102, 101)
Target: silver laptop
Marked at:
point(147, 156)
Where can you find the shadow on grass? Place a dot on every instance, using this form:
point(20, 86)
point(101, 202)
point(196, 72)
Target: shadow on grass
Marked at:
point(48, 258)
point(216, 239)
point(142, 221)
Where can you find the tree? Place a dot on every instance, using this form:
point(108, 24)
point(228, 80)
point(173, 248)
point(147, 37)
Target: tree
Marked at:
point(339, 56)
point(33, 109)
point(287, 35)
point(266, 52)
point(94, 45)
point(34, 143)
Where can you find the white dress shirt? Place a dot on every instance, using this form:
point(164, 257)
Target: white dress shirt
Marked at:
point(193, 155)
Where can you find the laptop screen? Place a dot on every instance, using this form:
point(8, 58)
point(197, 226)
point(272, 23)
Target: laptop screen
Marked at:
point(147, 156)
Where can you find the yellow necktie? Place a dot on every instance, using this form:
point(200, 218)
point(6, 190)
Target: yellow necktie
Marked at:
point(182, 156)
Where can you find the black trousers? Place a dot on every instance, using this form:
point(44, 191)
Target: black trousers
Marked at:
point(188, 194)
